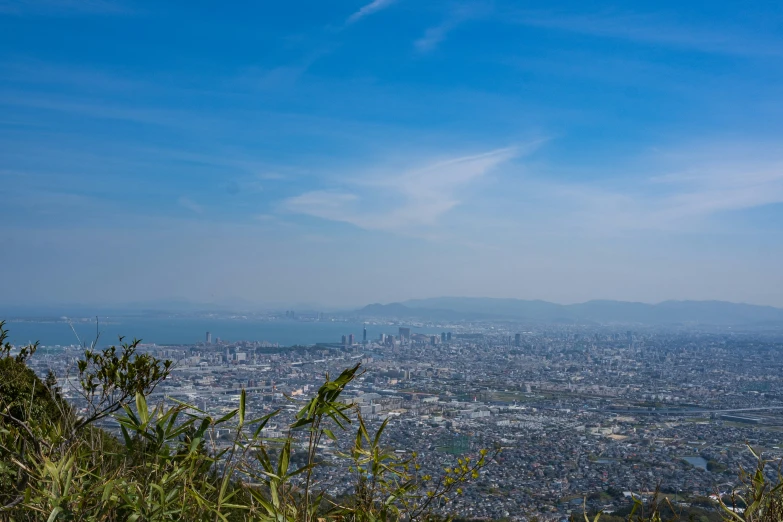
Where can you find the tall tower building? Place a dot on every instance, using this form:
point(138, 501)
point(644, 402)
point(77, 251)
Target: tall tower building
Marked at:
point(209, 338)
point(443, 337)
point(350, 340)
point(518, 340)
point(364, 335)
point(404, 334)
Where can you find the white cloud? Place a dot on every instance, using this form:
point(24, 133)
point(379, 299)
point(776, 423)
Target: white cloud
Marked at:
point(191, 205)
point(270, 176)
point(655, 30)
point(372, 7)
point(723, 187)
point(434, 36)
point(88, 108)
point(62, 7)
point(401, 202)
point(698, 188)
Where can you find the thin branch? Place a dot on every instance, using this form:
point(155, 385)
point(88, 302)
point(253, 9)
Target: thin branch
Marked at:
point(74, 333)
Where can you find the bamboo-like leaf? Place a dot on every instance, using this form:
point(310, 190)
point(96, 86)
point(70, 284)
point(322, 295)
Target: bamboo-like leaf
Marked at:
point(56, 511)
point(304, 421)
point(158, 488)
point(186, 405)
point(236, 506)
point(270, 475)
point(130, 415)
point(242, 402)
point(301, 470)
point(273, 493)
point(223, 486)
point(141, 407)
point(731, 512)
point(107, 488)
point(195, 444)
point(263, 458)
point(262, 422)
point(261, 500)
point(227, 416)
point(380, 431)
point(285, 455)
point(363, 430)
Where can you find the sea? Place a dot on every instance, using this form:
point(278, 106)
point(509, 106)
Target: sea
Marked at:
point(171, 331)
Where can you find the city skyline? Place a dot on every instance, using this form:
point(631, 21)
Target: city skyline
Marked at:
point(379, 151)
point(583, 413)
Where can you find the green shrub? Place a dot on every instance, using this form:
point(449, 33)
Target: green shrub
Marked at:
point(57, 465)
point(167, 465)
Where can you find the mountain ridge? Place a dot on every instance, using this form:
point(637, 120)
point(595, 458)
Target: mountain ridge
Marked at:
point(597, 311)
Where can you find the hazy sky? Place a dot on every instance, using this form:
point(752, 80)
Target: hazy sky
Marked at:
point(346, 152)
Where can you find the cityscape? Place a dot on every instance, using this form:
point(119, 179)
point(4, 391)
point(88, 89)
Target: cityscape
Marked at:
point(587, 416)
point(391, 261)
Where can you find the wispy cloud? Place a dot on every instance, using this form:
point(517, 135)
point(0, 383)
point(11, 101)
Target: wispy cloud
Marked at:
point(688, 198)
point(433, 36)
point(401, 202)
point(674, 193)
point(719, 188)
point(63, 7)
point(655, 30)
point(98, 110)
point(436, 34)
point(32, 71)
point(271, 176)
point(191, 205)
point(367, 10)
point(280, 77)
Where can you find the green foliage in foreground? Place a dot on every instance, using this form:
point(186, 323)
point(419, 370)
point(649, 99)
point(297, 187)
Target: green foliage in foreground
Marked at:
point(56, 464)
point(169, 464)
point(22, 393)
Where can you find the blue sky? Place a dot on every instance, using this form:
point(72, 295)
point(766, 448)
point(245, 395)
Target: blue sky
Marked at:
point(349, 152)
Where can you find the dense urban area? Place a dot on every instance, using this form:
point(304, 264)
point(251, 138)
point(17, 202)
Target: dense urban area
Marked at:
point(585, 414)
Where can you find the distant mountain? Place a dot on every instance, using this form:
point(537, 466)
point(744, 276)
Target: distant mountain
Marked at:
point(402, 311)
point(388, 310)
point(533, 310)
point(667, 312)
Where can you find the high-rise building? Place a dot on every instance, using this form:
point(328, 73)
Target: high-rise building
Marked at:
point(518, 340)
point(448, 336)
point(364, 335)
point(345, 340)
point(434, 340)
point(443, 337)
point(405, 334)
point(350, 340)
point(209, 338)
